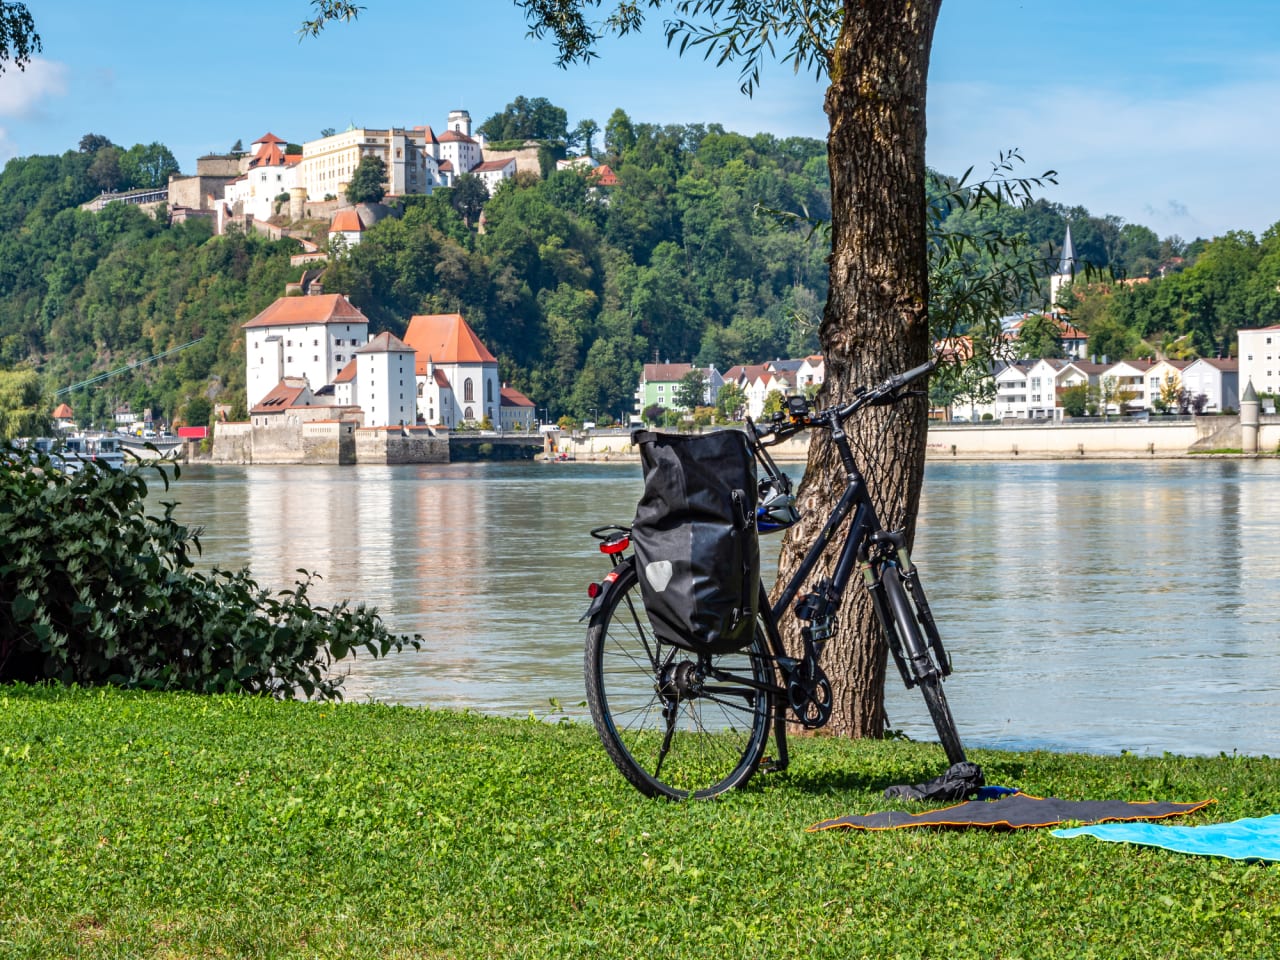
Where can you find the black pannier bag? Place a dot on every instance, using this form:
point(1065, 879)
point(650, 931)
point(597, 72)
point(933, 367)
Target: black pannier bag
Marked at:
point(697, 551)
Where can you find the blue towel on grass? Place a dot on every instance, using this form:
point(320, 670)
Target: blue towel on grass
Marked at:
point(1257, 838)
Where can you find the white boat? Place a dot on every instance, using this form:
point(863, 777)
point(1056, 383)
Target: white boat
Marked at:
point(70, 454)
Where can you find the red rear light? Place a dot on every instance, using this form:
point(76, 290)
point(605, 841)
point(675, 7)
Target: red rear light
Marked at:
point(615, 546)
point(593, 590)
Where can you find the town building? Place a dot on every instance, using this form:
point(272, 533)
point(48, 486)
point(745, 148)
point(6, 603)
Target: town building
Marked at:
point(387, 386)
point(1259, 351)
point(411, 158)
point(516, 411)
point(311, 337)
point(269, 177)
point(660, 385)
point(64, 417)
point(1126, 383)
point(457, 376)
point(1164, 380)
point(1218, 379)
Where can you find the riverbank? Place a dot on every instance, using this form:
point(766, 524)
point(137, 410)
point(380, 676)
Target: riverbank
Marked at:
point(155, 825)
point(1071, 440)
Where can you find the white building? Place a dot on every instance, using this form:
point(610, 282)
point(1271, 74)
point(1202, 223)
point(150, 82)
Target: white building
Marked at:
point(1130, 379)
point(516, 411)
point(417, 160)
point(345, 389)
point(411, 157)
point(1011, 390)
point(1218, 380)
point(387, 386)
point(310, 337)
point(1260, 359)
point(812, 373)
point(1042, 389)
point(457, 376)
point(269, 174)
point(493, 172)
point(1164, 376)
point(346, 228)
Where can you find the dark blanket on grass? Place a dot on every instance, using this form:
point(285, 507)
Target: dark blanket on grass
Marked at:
point(1015, 812)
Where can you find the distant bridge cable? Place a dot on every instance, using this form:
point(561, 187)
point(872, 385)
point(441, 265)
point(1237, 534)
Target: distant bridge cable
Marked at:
point(125, 369)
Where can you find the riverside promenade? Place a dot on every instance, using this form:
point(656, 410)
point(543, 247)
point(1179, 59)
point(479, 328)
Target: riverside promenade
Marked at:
point(1092, 439)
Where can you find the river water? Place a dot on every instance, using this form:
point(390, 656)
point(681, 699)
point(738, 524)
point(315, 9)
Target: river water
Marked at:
point(1097, 606)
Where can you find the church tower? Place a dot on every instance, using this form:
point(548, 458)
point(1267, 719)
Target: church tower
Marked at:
point(1066, 270)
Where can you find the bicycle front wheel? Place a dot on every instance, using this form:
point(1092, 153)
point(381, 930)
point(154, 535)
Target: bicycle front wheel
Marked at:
point(675, 724)
point(930, 684)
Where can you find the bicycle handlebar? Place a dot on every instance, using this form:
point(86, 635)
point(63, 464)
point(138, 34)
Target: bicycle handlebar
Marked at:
point(890, 391)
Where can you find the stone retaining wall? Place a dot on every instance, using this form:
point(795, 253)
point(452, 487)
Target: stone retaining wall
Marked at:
point(1007, 441)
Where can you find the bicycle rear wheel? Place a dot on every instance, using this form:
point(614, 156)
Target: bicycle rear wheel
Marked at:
point(911, 639)
point(671, 727)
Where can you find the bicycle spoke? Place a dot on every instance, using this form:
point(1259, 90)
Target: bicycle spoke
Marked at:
point(669, 732)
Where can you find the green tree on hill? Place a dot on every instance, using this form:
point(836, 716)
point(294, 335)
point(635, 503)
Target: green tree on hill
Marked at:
point(527, 119)
point(368, 182)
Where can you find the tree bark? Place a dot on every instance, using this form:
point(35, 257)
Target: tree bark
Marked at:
point(875, 323)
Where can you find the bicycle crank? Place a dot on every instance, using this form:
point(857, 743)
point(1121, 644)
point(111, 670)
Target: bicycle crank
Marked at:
point(809, 693)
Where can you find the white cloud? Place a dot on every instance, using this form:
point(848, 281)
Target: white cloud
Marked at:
point(23, 92)
point(1119, 152)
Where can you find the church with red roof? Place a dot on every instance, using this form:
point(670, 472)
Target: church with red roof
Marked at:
point(457, 375)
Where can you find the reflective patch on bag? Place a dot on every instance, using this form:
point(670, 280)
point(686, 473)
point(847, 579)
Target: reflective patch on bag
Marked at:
point(658, 574)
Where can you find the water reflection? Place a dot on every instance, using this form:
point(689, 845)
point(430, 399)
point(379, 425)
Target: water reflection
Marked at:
point(1098, 606)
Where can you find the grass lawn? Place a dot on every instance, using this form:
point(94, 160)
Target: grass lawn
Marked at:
point(148, 825)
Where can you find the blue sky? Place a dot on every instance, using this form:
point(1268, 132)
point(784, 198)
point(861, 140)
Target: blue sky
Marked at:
point(1162, 113)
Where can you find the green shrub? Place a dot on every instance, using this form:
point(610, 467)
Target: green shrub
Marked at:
point(93, 591)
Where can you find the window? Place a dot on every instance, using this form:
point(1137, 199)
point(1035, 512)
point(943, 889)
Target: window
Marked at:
point(488, 391)
point(468, 392)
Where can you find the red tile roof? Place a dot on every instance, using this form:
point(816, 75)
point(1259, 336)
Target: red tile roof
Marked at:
point(491, 165)
point(281, 397)
point(665, 372)
point(346, 221)
point(453, 136)
point(63, 412)
point(296, 311)
point(347, 373)
point(445, 338)
point(511, 397)
point(604, 176)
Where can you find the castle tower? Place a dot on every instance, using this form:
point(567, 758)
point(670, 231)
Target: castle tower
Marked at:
point(460, 122)
point(1066, 269)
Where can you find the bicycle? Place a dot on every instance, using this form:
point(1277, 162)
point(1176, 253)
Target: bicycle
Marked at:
point(682, 724)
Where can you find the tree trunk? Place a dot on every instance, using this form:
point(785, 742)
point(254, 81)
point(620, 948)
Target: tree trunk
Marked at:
point(876, 322)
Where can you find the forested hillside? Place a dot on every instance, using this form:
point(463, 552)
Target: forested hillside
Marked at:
point(571, 285)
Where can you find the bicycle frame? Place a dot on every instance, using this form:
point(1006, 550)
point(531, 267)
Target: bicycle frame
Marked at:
point(866, 545)
point(798, 687)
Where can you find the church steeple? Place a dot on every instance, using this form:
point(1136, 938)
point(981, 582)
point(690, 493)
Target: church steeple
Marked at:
point(1066, 269)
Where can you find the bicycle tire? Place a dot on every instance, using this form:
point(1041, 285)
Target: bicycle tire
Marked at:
point(719, 731)
point(911, 638)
